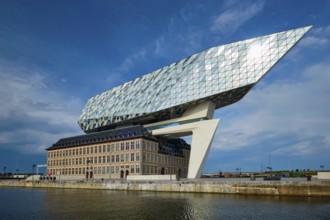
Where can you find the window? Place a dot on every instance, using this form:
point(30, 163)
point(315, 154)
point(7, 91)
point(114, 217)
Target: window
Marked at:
point(108, 159)
point(122, 158)
point(122, 146)
point(132, 156)
point(127, 157)
point(108, 169)
point(117, 158)
point(138, 145)
point(91, 150)
point(132, 145)
point(95, 149)
point(103, 170)
point(117, 146)
point(87, 150)
point(137, 156)
point(84, 150)
point(127, 145)
point(104, 149)
point(99, 170)
point(112, 169)
point(112, 147)
point(132, 168)
point(117, 169)
point(95, 160)
point(137, 168)
point(144, 157)
point(148, 157)
point(99, 159)
point(112, 158)
point(103, 159)
point(108, 148)
point(100, 149)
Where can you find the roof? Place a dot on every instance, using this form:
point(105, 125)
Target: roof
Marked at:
point(118, 134)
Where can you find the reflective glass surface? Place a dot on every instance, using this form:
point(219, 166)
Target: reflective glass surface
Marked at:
point(222, 74)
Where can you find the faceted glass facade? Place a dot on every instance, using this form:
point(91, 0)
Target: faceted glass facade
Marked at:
point(222, 74)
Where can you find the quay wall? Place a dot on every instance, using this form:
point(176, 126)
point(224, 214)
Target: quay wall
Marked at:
point(274, 188)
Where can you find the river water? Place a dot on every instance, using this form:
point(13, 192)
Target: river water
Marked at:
point(32, 203)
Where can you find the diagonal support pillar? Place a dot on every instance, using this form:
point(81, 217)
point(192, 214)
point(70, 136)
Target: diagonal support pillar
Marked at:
point(202, 135)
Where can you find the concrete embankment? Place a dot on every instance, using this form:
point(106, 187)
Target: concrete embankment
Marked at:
point(276, 188)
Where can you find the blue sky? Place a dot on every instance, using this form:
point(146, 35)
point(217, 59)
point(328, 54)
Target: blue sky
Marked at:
point(54, 55)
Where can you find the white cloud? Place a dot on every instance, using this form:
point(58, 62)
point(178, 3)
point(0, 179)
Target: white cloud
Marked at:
point(119, 74)
point(283, 117)
point(318, 37)
point(32, 113)
point(301, 148)
point(229, 21)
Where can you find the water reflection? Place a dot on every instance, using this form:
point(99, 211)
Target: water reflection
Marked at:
point(102, 204)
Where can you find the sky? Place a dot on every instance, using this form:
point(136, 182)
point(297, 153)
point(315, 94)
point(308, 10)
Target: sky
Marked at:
point(55, 55)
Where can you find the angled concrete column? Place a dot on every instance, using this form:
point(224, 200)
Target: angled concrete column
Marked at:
point(202, 135)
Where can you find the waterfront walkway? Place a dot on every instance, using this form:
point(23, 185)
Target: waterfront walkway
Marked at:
point(285, 187)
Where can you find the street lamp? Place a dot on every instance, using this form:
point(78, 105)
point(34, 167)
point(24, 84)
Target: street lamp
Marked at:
point(240, 171)
point(269, 168)
point(87, 172)
point(33, 167)
point(4, 171)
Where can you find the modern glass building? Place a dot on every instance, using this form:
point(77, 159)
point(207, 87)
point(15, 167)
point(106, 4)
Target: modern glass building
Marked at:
point(183, 95)
point(222, 75)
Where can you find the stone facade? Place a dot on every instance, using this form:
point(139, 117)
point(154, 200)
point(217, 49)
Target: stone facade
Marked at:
point(106, 157)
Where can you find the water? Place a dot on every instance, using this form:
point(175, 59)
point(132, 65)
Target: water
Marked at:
point(28, 203)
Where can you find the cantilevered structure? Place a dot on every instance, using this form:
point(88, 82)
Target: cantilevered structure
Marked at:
point(188, 91)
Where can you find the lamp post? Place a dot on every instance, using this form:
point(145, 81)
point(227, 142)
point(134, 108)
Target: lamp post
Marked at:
point(240, 171)
point(33, 167)
point(87, 172)
point(170, 162)
point(270, 170)
point(4, 171)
